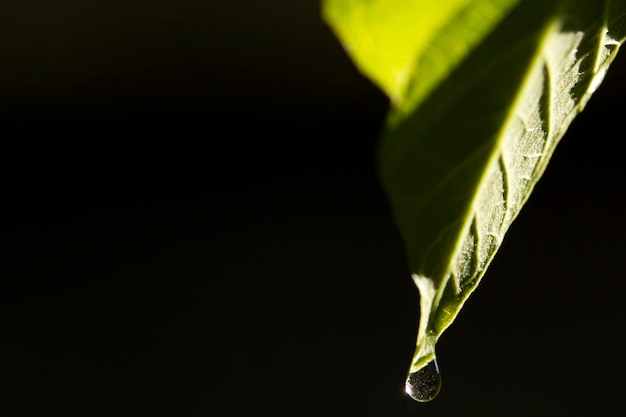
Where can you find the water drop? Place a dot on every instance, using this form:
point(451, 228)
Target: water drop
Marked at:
point(424, 385)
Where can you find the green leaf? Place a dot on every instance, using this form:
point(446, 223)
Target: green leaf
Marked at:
point(386, 38)
point(482, 91)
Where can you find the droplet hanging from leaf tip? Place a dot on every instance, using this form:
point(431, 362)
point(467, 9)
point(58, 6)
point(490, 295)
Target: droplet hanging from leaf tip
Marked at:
point(424, 384)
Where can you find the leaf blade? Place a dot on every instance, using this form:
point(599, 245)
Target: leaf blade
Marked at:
point(464, 148)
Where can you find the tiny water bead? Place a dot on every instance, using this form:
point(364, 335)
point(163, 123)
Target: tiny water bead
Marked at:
point(424, 385)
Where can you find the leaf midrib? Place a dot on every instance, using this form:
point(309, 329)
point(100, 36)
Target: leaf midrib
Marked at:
point(470, 213)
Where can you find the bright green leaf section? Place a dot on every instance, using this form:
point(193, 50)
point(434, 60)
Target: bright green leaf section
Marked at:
point(491, 88)
point(385, 37)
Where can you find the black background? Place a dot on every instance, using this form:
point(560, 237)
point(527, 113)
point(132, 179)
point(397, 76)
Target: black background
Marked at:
point(192, 226)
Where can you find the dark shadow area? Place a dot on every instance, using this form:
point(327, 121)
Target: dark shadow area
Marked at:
point(193, 226)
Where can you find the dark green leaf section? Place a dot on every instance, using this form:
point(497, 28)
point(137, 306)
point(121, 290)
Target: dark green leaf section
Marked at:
point(459, 161)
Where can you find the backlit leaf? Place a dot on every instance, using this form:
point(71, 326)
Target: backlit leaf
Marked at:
point(481, 93)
